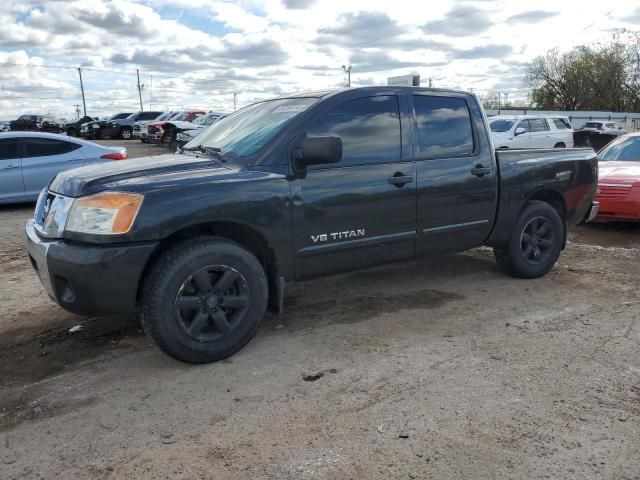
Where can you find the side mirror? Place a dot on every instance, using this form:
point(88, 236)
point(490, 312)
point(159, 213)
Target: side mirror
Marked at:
point(519, 131)
point(320, 150)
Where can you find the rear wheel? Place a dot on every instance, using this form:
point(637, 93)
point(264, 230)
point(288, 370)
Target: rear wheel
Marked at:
point(560, 145)
point(535, 243)
point(126, 134)
point(204, 299)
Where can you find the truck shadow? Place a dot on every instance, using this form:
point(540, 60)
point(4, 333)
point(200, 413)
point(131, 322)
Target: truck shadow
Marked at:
point(29, 355)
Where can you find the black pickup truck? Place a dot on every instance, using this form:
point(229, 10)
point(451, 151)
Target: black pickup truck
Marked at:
point(204, 241)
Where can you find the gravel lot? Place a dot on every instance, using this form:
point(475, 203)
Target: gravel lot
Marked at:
point(438, 368)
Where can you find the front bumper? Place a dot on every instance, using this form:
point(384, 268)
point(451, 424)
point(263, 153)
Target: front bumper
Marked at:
point(592, 212)
point(89, 279)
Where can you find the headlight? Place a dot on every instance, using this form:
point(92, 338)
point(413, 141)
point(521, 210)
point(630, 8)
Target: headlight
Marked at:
point(107, 213)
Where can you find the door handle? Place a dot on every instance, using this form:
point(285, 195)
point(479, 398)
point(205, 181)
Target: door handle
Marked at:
point(10, 167)
point(399, 179)
point(480, 170)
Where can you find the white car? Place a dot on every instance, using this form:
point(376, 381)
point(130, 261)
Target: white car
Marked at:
point(608, 128)
point(140, 127)
point(531, 131)
point(30, 160)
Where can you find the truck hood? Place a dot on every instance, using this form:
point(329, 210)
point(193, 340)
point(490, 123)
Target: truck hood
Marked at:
point(138, 174)
point(619, 172)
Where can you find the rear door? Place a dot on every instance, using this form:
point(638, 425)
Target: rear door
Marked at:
point(362, 211)
point(11, 185)
point(44, 158)
point(540, 133)
point(457, 178)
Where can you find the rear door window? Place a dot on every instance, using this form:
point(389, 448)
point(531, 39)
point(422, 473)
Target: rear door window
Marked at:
point(444, 126)
point(369, 129)
point(538, 125)
point(9, 149)
point(44, 147)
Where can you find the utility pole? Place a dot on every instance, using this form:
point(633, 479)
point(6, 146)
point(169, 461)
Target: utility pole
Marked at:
point(498, 100)
point(139, 90)
point(84, 103)
point(348, 72)
point(151, 92)
point(430, 82)
point(77, 105)
point(235, 97)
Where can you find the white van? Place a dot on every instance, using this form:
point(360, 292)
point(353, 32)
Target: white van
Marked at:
point(531, 131)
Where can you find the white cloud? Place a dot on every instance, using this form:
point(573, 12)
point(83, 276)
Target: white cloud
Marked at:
point(200, 52)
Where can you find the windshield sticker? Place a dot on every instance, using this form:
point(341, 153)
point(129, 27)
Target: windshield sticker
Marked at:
point(290, 108)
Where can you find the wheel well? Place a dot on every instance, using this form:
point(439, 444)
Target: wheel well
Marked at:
point(556, 200)
point(560, 145)
point(246, 236)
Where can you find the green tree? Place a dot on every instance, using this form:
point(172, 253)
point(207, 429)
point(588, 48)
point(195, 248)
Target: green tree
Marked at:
point(598, 77)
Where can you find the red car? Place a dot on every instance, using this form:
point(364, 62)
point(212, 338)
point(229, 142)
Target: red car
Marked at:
point(619, 180)
point(156, 131)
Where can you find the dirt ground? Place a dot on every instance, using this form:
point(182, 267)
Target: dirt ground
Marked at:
point(438, 368)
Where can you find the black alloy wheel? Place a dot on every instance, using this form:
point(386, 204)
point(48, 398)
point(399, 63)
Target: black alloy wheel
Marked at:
point(212, 302)
point(537, 240)
point(203, 299)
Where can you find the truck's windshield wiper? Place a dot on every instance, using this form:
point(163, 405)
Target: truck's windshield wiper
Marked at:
point(211, 151)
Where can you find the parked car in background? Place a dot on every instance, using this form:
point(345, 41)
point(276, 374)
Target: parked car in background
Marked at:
point(140, 126)
point(606, 128)
point(619, 180)
point(191, 130)
point(162, 132)
point(29, 160)
point(202, 242)
point(4, 126)
point(123, 127)
point(94, 129)
point(531, 131)
point(73, 128)
point(36, 123)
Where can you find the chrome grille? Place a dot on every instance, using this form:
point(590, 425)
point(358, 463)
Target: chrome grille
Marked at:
point(51, 214)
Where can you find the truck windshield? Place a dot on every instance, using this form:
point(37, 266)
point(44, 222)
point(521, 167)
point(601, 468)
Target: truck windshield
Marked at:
point(243, 133)
point(627, 149)
point(501, 125)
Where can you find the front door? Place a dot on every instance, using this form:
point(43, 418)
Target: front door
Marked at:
point(457, 178)
point(11, 185)
point(44, 158)
point(362, 211)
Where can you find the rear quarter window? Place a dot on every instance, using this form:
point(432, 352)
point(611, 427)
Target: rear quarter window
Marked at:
point(444, 126)
point(561, 123)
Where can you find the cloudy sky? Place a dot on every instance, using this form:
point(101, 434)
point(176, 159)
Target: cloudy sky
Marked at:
point(198, 53)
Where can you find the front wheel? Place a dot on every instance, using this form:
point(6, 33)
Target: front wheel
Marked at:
point(204, 299)
point(535, 243)
point(126, 134)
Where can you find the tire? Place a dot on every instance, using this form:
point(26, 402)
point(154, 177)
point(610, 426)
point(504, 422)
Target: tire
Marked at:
point(126, 133)
point(204, 299)
point(72, 132)
point(560, 145)
point(535, 244)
